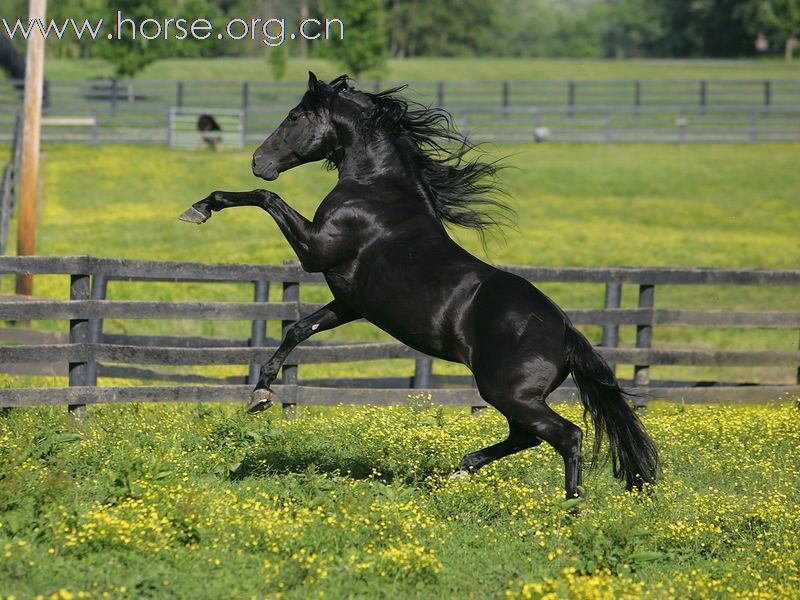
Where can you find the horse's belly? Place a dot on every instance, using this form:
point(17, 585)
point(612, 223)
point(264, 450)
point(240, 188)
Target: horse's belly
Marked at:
point(428, 315)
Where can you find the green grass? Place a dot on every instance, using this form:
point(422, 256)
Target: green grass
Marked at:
point(205, 502)
point(578, 205)
point(444, 69)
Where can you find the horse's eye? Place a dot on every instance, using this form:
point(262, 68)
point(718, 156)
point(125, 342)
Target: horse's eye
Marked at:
point(293, 116)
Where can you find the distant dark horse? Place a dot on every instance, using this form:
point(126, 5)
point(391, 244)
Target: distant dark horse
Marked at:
point(210, 131)
point(380, 241)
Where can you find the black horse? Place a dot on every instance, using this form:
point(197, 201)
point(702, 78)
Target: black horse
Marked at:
point(379, 239)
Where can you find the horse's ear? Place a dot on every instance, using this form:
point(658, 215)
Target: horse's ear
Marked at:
point(313, 82)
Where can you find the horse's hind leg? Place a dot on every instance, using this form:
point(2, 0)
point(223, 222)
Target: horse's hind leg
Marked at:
point(536, 417)
point(518, 439)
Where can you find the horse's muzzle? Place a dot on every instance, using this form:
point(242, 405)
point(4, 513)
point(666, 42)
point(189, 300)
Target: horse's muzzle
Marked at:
point(268, 171)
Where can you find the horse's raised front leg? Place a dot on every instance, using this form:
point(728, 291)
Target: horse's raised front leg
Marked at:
point(295, 227)
point(329, 316)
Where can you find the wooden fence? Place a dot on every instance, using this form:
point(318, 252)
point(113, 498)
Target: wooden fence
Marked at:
point(85, 352)
point(114, 111)
point(8, 186)
point(130, 96)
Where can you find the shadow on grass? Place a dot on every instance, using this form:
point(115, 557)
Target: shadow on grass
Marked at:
point(265, 463)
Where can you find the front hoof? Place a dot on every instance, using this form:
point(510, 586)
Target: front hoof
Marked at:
point(193, 215)
point(460, 474)
point(261, 399)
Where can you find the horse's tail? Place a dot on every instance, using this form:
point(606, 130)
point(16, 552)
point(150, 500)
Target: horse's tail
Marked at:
point(633, 454)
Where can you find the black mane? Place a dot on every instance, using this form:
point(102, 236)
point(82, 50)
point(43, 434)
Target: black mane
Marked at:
point(463, 189)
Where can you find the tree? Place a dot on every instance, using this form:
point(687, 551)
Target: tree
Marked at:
point(278, 59)
point(127, 55)
point(632, 27)
point(435, 28)
point(778, 20)
point(364, 45)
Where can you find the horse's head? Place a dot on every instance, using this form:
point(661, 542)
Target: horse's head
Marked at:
point(307, 134)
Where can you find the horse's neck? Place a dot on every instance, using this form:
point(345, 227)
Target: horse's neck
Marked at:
point(373, 160)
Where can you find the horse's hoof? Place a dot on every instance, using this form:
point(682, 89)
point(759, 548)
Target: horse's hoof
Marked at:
point(460, 474)
point(192, 215)
point(261, 399)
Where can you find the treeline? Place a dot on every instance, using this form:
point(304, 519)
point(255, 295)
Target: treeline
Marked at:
point(533, 28)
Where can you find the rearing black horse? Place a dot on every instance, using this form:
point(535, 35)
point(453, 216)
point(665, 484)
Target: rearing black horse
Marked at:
point(379, 239)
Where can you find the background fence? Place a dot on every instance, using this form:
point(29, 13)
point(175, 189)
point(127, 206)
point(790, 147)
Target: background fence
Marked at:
point(109, 111)
point(8, 186)
point(85, 351)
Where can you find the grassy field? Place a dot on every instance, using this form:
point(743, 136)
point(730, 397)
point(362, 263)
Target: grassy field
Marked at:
point(204, 502)
point(577, 205)
point(443, 69)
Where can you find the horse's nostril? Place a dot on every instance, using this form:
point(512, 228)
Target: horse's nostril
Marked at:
point(254, 162)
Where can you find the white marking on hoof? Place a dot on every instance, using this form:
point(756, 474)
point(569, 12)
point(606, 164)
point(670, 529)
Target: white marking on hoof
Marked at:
point(460, 474)
point(260, 399)
point(315, 326)
point(192, 215)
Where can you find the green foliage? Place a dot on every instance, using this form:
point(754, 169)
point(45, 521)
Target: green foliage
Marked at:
point(129, 55)
point(132, 54)
point(413, 28)
point(776, 19)
point(422, 28)
point(364, 45)
point(278, 60)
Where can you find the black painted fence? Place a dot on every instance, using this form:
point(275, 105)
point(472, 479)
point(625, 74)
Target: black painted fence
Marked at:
point(85, 352)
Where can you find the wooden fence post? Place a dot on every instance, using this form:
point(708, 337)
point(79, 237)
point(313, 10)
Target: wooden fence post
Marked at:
point(611, 332)
point(179, 94)
point(644, 339)
point(114, 95)
point(291, 293)
point(95, 328)
point(703, 96)
point(245, 96)
point(637, 97)
point(506, 93)
point(423, 367)
point(440, 94)
point(571, 98)
point(798, 366)
point(258, 335)
point(767, 94)
point(78, 334)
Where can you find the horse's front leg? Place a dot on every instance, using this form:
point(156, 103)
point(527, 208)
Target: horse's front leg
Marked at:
point(295, 227)
point(329, 316)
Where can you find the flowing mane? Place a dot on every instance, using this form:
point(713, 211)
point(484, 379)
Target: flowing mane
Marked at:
point(463, 188)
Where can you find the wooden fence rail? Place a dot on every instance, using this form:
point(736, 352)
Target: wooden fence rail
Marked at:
point(85, 352)
point(132, 112)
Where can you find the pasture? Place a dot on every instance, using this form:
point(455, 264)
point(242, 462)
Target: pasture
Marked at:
point(443, 69)
point(646, 205)
point(203, 501)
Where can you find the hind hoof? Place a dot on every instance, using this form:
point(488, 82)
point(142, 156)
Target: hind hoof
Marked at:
point(460, 474)
point(192, 215)
point(261, 399)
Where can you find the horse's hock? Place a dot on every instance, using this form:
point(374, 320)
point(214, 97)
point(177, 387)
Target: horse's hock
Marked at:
point(85, 352)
